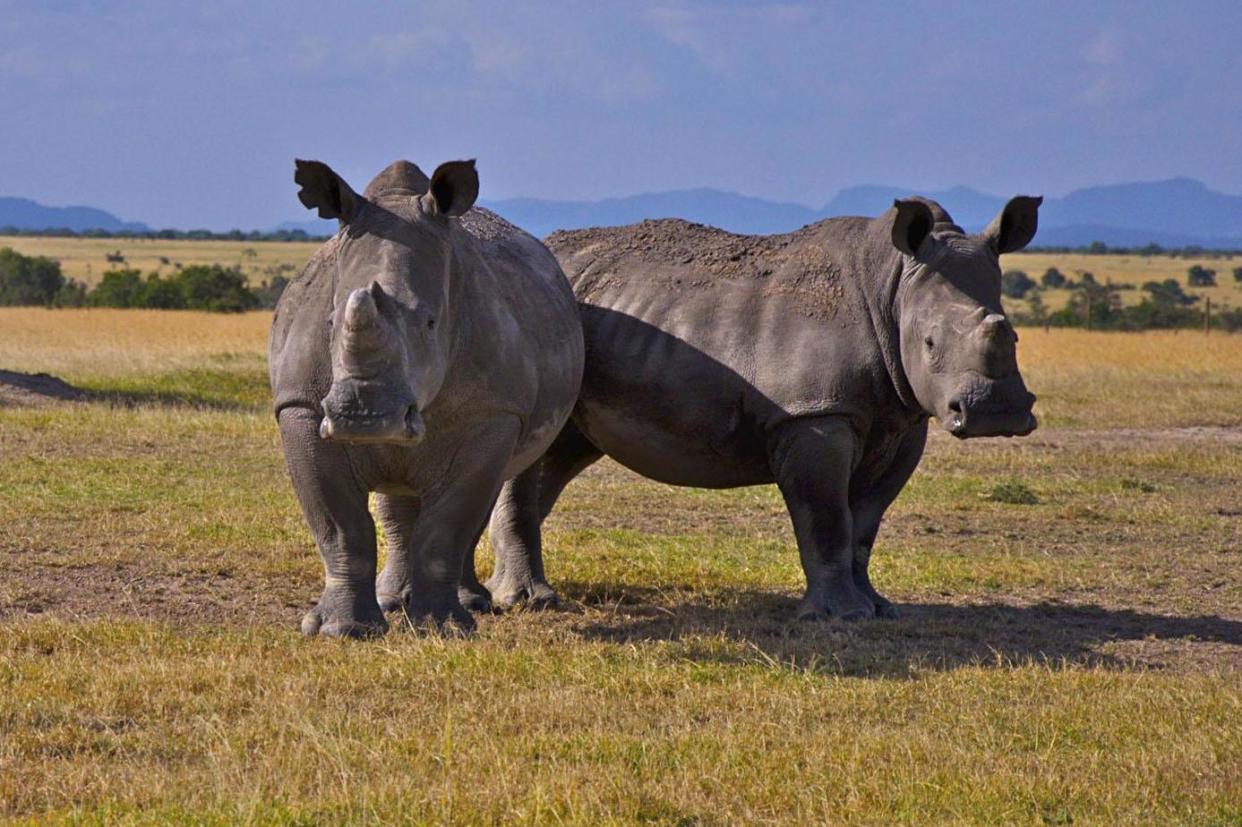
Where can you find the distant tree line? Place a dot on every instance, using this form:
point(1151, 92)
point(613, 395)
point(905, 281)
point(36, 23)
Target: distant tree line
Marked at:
point(1099, 248)
point(167, 235)
point(34, 280)
point(1099, 306)
point(1094, 248)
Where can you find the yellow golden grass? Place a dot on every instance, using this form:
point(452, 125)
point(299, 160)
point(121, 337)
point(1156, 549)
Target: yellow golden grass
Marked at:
point(85, 259)
point(80, 343)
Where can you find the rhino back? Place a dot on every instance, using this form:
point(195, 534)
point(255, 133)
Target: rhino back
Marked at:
point(766, 326)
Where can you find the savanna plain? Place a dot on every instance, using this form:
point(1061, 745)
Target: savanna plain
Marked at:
point(1070, 646)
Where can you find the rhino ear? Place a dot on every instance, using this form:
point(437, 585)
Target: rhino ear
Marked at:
point(912, 225)
point(454, 187)
point(324, 190)
point(1014, 228)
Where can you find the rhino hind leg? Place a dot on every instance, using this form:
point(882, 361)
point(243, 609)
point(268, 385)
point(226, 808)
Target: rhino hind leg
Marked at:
point(335, 508)
point(515, 527)
point(812, 460)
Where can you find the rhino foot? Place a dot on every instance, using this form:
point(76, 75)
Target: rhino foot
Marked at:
point(884, 608)
point(475, 598)
point(536, 594)
point(443, 616)
point(337, 617)
point(844, 601)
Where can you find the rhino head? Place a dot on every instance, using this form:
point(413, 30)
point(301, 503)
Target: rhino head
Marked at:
point(391, 334)
point(958, 350)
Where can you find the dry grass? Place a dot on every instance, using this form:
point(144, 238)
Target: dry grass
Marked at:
point(80, 344)
point(1083, 378)
point(1133, 380)
point(1132, 270)
point(85, 258)
point(1077, 659)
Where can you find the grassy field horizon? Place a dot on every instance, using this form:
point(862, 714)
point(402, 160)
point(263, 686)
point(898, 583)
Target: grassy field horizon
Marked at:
point(85, 259)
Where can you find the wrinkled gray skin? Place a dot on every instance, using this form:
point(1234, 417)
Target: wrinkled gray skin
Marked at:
point(812, 360)
point(425, 353)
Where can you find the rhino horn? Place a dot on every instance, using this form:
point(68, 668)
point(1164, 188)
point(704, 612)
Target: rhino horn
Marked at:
point(364, 332)
point(996, 327)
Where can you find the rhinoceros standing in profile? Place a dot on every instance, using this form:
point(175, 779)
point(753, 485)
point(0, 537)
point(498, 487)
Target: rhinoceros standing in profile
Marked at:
point(425, 353)
point(812, 360)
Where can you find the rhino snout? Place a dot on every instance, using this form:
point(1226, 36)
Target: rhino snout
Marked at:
point(402, 426)
point(969, 417)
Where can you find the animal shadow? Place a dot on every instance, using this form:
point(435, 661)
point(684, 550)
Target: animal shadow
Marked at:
point(927, 636)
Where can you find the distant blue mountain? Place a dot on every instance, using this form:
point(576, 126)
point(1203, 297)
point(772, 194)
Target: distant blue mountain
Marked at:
point(1176, 213)
point(25, 214)
point(972, 210)
point(727, 210)
point(1180, 206)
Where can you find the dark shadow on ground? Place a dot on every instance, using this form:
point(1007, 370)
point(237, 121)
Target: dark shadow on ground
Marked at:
point(203, 388)
point(927, 636)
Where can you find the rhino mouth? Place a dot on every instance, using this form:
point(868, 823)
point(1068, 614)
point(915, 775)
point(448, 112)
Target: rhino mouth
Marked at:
point(998, 409)
point(352, 414)
point(400, 427)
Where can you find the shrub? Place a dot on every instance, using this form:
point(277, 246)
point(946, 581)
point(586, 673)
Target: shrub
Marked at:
point(1200, 276)
point(269, 292)
point(1053, 278)
point(1169, 292)
point(1237, 274)
point(118, 288)
point(162, 294)
point(26, 280)
point(212, 287)
point(71, 294)
point(1016, 284)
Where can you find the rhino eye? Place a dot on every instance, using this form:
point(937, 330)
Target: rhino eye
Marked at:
point(928, 341)
point(431, 323)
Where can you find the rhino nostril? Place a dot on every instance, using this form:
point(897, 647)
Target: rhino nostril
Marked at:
point(957, 422)
point(415, 427)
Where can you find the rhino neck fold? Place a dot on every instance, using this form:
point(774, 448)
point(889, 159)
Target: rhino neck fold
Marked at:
point(883, 298)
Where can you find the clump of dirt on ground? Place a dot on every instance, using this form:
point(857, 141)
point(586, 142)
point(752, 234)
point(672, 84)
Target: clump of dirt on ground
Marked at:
point(26, 389)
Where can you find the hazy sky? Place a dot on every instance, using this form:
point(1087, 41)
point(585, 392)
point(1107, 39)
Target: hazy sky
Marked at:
point(189, 114)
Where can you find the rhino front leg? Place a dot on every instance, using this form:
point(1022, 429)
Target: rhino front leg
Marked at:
point(335, 507)
point(516, 524)
point(870, 506)
point(397, 515)
point(449, 526)
point(812, 460)
point(473, 594)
